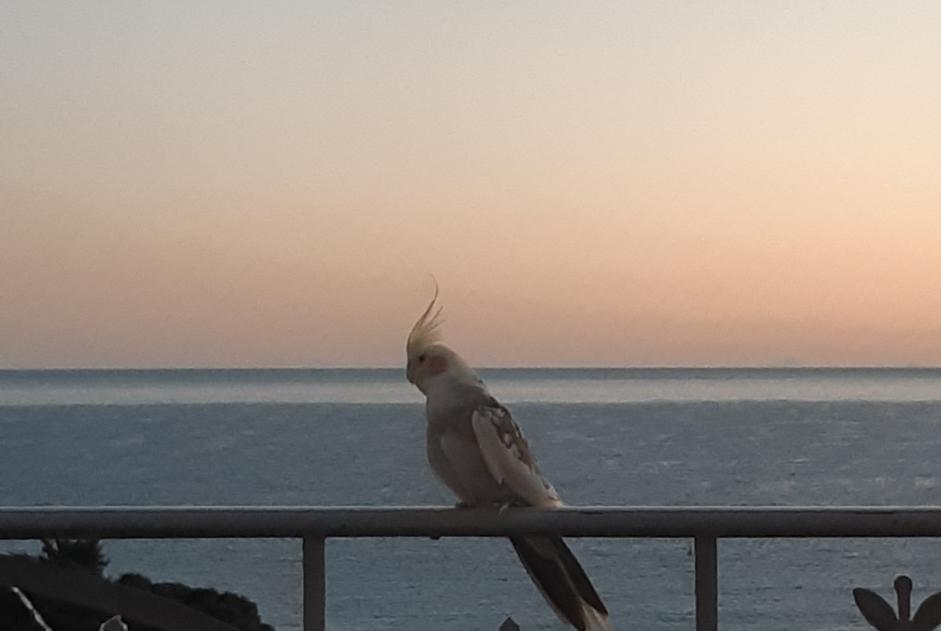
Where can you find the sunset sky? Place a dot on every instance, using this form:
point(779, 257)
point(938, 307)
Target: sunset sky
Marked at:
point(627, 183)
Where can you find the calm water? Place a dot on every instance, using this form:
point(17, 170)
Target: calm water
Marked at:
point(676, 437)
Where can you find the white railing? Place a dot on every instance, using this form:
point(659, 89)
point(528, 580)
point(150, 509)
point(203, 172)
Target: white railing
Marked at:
point(704, 525)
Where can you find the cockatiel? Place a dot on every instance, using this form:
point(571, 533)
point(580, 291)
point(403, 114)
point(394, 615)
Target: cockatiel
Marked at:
point(479, 452)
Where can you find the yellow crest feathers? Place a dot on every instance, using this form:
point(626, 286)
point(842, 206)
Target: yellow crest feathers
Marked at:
point(426, 330)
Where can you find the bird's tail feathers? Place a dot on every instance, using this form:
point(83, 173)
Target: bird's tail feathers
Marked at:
point(562, 582)
point(596, 621)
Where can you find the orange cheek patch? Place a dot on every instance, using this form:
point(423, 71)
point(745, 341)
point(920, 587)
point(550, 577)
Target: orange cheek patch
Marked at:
point(437, 365)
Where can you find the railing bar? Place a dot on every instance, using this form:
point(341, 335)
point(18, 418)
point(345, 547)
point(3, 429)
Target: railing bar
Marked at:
point(707, 583)
point(314, 584)
point(281, 522)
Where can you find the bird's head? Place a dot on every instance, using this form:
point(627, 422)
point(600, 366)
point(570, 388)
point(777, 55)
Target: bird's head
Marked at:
point(427, 358)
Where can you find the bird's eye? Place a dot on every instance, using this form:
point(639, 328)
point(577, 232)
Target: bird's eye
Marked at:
point(421, 357)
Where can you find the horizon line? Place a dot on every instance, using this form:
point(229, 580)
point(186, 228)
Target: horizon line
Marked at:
point(907, 366)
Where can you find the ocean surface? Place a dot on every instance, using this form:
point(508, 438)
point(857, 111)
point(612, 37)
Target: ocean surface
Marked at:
point(603, 436)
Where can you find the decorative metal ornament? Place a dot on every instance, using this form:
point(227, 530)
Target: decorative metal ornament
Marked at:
point(879, 614)
point(509, 625)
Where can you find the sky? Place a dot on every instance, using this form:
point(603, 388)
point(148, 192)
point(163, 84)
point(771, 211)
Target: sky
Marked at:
point(652, 183)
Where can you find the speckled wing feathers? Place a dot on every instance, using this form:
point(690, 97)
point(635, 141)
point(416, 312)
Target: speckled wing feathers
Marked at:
point(507, 455)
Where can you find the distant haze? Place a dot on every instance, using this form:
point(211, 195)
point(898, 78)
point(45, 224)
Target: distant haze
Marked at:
point(644, 183)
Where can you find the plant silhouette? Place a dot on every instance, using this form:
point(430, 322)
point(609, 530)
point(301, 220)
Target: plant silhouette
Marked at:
point(113, 624)
point(82, 553)
point(879, 613)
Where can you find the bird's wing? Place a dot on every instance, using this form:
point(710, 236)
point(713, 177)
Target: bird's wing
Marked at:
point(508, 458)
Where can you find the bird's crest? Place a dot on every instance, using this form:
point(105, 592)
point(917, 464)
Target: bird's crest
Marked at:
point(426, 330)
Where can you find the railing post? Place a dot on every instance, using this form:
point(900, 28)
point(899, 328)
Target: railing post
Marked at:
point(314, 584)
point(707, 581)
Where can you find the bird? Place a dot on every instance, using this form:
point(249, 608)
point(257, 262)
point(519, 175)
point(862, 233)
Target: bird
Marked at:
point(477, 450)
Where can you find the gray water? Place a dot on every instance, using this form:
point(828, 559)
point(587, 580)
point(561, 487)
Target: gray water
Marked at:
point(342, 437)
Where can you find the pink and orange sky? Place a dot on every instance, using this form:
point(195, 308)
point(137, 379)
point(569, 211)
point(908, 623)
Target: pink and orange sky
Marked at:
point(646, 183)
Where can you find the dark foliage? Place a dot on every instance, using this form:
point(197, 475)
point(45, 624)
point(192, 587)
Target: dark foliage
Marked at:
point(225, 606)
point(86, 554)
point(13, 615)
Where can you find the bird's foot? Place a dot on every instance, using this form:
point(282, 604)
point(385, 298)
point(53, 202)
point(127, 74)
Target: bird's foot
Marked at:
point(501, 508)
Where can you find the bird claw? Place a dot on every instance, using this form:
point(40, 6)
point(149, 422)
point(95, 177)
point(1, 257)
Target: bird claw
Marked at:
point(503, 506)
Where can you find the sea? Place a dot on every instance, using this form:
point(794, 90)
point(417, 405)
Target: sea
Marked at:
point(670, 436)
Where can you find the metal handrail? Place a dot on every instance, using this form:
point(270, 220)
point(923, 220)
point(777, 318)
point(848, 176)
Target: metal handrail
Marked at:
point(127, 522)
point(704, 524)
